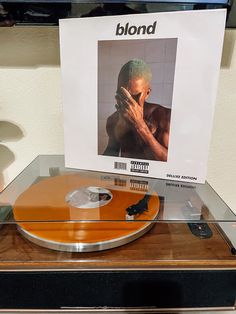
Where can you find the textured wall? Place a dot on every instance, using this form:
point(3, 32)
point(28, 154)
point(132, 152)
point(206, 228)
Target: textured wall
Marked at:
point(30, 98)
point(222, 155)
point(31, 111)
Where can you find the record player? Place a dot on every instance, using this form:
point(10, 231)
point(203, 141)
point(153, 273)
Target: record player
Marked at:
point(75, 240)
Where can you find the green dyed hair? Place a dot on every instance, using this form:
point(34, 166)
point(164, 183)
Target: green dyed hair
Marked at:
point(135, 68)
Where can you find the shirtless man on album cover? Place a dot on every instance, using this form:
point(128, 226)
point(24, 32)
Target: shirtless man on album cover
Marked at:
point(137, 129)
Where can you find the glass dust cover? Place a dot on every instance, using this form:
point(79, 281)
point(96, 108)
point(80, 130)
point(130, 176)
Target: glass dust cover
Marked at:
point(146, 97)
point(56, 215)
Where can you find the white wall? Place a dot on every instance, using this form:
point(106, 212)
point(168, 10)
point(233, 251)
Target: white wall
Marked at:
point(31, 106)
point(30, 98)
point(222, 156)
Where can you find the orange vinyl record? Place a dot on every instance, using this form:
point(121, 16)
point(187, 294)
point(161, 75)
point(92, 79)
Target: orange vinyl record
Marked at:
point(77, 213)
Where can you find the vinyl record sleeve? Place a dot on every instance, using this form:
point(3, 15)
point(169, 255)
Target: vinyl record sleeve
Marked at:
point(139, 92)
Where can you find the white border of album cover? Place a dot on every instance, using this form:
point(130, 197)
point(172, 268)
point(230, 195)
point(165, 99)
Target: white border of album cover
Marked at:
point(139, 92)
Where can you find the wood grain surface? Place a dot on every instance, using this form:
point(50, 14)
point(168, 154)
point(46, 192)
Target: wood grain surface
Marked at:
point(164, 246)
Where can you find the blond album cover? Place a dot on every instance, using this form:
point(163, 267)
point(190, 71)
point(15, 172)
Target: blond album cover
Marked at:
point(139, 92)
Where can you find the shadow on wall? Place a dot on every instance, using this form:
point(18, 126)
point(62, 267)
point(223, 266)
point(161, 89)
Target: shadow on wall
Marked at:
point(228, 48)
point(7, 157)
point(29, 47)
point(9, 132)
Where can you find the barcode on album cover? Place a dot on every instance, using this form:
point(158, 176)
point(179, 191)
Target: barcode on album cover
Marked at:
point(120, 165)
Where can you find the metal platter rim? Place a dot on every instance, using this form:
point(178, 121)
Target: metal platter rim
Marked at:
point(85, 247)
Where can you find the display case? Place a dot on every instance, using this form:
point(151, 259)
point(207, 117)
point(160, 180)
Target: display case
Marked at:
point(82, 240)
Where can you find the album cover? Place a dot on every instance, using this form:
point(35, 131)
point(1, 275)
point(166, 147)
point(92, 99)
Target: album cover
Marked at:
point(139, 92)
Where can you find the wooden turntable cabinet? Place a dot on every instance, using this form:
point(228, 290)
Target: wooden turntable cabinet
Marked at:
point(186, 259)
